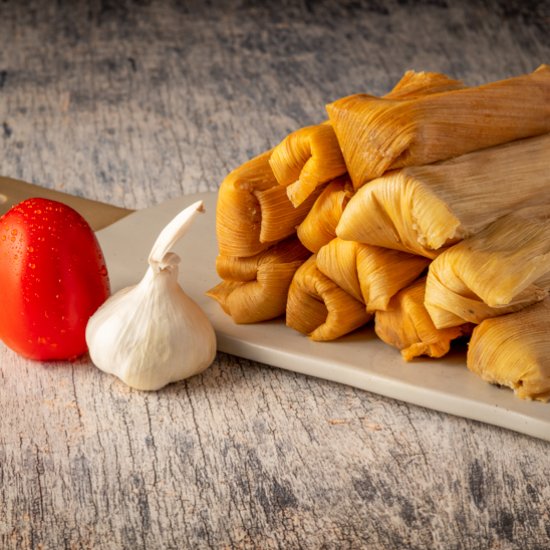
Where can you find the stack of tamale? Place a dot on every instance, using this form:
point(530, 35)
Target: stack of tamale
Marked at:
point(427, 209)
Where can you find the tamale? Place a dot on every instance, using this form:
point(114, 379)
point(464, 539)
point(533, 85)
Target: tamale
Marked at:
point(425, 208)
point(407, 326)
point(306, 159)
point(238, 213)
point(311, 156)
point(279, 217)
point(370, 274)
point(380, 134)
point(255, 288)
point(318, 307)
point(252, 211)
point(502, 269)
point(319, 226)
point(514, 350)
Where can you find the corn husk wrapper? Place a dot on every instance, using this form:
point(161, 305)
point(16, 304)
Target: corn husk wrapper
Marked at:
point(514, 350)
point(426, 208)
point(306, 159)
point(311, 156)
point(319, 226)
point(407, 326)
point(279, 217)
point(253, 212)
point(370, 274)
point(318, 307)
point(502, 269)
point(381, 134)
point(416, 84)
point(238, 213)
point(255, 288)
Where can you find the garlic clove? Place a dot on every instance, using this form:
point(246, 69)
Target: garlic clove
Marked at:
point(152, 334)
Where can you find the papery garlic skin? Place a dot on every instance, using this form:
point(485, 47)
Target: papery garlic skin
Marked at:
point(152, 334)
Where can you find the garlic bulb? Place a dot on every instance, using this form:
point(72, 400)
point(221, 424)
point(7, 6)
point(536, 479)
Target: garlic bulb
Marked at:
point(152, 334)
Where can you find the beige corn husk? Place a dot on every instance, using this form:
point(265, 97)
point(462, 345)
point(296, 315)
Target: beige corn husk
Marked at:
point(407, 326)
point(255, 288)
point(369, 273)
point(311, 156)
point(514, 350)
point(380, 134)
point(423, 209)
point(502, 269)
point(252, 211)
point(318, 307)
point(319, 226)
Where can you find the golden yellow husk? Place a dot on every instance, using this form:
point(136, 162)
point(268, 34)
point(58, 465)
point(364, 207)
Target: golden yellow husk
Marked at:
point(253, 212)
point(318, 307)
point(369, 273)
point(306, 159)
point(279, 217)
point(255, 288)
point(238, 213)
point(319, 226)
point(502, 269)
point(426, 208)
point(311, 156)
point(416, 84)
point(380, 134)
point(407, 326)
point(514, 350)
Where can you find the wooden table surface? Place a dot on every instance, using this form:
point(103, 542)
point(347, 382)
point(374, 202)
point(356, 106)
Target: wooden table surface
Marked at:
point(136, 102)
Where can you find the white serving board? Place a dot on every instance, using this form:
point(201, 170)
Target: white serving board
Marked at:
point(360, 360)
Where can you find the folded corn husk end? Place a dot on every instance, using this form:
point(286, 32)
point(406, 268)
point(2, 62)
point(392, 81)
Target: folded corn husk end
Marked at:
point(259, 300)
point(238, 212)
point(319, 226)
point(500, 270)
point(398, 211)
point(370, 274)
point(407, 326)
point(255, 288)
point(278, 216)
point(306, 159)
point(316, 306)
point(514, 351)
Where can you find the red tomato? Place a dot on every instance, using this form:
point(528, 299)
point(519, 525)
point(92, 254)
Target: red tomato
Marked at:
point(52, 279)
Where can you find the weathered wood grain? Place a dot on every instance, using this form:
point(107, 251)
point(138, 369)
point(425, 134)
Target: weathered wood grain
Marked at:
point(136, 102)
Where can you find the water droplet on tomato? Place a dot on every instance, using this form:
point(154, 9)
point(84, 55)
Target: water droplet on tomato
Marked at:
point(31, 265)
